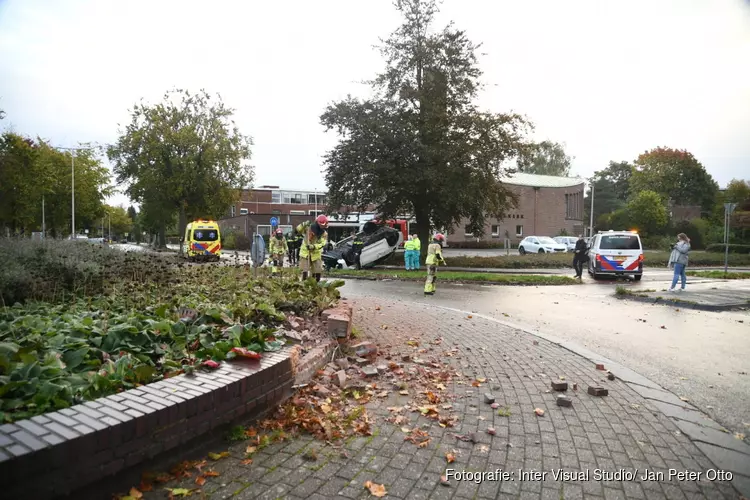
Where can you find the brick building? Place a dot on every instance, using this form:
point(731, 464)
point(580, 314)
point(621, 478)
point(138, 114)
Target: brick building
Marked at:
point(547, 205)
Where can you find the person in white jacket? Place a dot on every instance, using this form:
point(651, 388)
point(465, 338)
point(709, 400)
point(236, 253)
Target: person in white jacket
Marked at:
point(679, 259)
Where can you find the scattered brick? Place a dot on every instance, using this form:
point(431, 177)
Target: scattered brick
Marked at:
point(598, 391)
point(370, 371)
point(564, 401)
point(489, 398)
point(559, 385)
point(600, 366)
point(365, 349)
point(361, 361)
point(339, 378)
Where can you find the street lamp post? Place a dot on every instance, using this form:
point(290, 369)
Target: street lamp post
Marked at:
point(591, 209)
point(728, 209)
point(73, 186)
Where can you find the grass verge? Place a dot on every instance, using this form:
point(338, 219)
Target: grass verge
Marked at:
point(457, 276)
point(719, 275)
point(557, 261)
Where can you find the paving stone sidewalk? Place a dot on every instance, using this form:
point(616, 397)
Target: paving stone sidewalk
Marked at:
point(622, 432)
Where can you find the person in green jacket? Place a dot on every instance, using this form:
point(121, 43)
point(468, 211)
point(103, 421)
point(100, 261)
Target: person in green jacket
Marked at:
point(409, 253)
point(278, 248)
point(434, 258)
point(311, 253)
point(417, 250)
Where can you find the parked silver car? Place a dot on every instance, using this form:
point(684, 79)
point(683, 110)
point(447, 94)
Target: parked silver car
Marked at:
point(568, 241)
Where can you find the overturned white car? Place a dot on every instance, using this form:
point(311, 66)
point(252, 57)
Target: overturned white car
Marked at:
point(379, 243)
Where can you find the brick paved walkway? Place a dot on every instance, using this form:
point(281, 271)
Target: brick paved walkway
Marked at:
point(620, 432)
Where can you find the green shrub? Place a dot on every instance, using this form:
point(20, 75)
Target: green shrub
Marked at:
point(229, 241)
point(659, 243)
point(51, 270)
point(496, 243)
point(54, 356)
point(733, 248)
point(693, 232)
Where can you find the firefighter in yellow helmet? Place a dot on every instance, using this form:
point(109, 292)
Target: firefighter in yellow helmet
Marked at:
point(278, 248)
point(434, 259)
point(311, 252)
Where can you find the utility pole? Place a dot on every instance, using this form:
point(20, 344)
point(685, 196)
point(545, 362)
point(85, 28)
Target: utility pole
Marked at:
point(728, 209)
point(591, 209)
point(44, 228)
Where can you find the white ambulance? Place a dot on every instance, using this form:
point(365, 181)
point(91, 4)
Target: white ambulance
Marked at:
point(616, 253)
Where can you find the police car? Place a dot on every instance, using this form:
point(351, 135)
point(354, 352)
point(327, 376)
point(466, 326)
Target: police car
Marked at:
point(616, 253)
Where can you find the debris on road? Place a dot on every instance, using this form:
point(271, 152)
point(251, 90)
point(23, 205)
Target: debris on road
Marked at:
point(564, 401)
point(610, 376)
point(559, 386)
point(489, 398)
point(600, 366)
point(539, 412)
point(598, 391)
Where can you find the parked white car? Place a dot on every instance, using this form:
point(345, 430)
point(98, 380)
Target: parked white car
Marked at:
point(540, 244)
point(568, 241)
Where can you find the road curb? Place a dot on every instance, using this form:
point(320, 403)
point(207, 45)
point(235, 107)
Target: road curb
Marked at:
point(715, 441)
point(684, 304)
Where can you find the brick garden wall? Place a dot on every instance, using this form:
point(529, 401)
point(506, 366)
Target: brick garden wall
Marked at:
point(54, 454)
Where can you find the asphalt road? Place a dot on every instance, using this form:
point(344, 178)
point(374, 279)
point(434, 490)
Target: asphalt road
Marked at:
point(702, 356)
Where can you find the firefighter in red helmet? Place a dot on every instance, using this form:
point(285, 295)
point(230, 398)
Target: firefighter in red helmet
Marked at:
point(311, 252)
point(434, 259)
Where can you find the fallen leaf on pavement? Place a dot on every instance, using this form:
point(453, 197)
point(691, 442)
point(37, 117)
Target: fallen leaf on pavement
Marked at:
point(179, 492)
point(683, 378)
point(200, 480)
point(447, 407)
point(739, 435)
point(250, 449)
point(469, 316)
point(377, 308)
point(211, 473)
point(481, 380)
point(135, 493)
point(404, 393)
point(684, 399)
point(247, 461)
point(539, 412)
point(376, 490)
point(450, 457)
point(218, 456)
point(476, 384)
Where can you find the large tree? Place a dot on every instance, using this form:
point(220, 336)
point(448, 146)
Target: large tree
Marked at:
point(547, 158)
point(184, 156)
point(647, 211)
point(32, 169)
point(420, 145)
point(611, 189)
point(676, 175)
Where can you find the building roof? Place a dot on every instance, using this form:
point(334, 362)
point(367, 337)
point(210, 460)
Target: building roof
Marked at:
point(541, 181)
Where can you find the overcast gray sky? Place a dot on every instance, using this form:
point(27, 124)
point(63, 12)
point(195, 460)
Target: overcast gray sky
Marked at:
point(610, 79)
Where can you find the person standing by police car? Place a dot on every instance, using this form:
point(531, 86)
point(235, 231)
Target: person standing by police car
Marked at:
point(580, 256)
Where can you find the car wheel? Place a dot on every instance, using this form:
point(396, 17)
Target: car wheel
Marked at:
point(638, 277)
point(541, 250)
point(522, 250)
point(594, 275)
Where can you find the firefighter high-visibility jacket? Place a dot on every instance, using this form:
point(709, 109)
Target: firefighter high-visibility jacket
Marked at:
point(417, 244)
point(317, 243)
point(434, 255)
point(278, 246)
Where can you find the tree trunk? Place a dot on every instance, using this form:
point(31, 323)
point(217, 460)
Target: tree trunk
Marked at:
point(182, 224)
point(423, 230)
point(161, 236)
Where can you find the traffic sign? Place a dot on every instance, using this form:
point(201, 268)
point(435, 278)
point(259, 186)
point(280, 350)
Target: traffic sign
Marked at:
point(274, 221)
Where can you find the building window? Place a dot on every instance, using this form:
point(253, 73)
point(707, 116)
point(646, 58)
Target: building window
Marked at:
point(296, 212)
point(243, 211)
point(276, 197)
point(311, 199)
point(276, 212)
point(495, 231)
point(519, 230)
point(467, 231)
point(314, 213)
